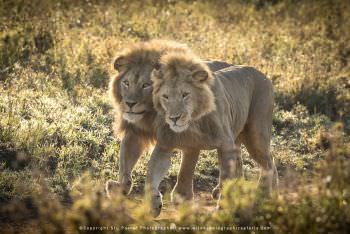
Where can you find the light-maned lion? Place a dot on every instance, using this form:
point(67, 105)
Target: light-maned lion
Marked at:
point(131, 92)
point(199, 110)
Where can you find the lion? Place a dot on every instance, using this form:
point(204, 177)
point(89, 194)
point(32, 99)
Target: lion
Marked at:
point(203, 110)
point(131, 94)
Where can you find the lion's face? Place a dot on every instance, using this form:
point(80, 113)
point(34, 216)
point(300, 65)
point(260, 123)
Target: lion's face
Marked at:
point(131, 89)
point(178, 103)
point(182, 91)
point(136, 93)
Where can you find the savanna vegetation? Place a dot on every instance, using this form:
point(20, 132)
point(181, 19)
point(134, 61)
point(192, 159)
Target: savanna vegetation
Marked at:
point(56, 139)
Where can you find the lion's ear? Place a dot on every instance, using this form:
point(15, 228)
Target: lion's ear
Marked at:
point(157, 66)
point(155, 75)
point(156, 72)
point(200, 75)
point(120, 63)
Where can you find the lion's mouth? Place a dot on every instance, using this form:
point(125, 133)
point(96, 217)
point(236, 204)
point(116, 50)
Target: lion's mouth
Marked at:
point(132, 116)
point(179, 128)
point(135, 113)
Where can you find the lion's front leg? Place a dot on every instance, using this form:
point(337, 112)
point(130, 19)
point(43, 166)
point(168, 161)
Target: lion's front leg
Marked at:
point(158, 166)
point(184, 185)
point(231, 166)
point(131, 148)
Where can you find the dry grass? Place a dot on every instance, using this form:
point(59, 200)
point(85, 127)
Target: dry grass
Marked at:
point(56, 143)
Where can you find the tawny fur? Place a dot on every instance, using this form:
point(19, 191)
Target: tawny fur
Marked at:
point(224, 109)
point(135, 64)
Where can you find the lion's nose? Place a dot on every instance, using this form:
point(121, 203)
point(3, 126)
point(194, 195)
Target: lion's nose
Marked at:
point(175, 118)
point(130, 104)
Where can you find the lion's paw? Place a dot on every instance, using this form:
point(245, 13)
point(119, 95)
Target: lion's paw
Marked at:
point(126, 184)
point(178, 197)
point(156, 204)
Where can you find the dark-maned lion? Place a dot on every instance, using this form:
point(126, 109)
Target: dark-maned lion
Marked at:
point(131, 92)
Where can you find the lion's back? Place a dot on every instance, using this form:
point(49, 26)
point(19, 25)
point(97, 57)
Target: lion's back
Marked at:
point(242, 78)
point(247, 92)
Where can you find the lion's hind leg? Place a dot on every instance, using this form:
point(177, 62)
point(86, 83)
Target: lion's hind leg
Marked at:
point(257, 141)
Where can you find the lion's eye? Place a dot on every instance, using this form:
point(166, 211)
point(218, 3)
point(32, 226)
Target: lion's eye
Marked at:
point(185, 95)
point(146, 85)
point(165, 96)
point(126, 83)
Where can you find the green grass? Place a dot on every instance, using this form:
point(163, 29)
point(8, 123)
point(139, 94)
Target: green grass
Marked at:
point(56, 139)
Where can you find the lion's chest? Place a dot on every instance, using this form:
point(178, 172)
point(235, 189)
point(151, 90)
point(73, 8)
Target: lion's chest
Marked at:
point(199, 137)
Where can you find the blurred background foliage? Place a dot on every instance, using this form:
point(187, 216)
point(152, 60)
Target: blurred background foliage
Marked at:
point(56, 143)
